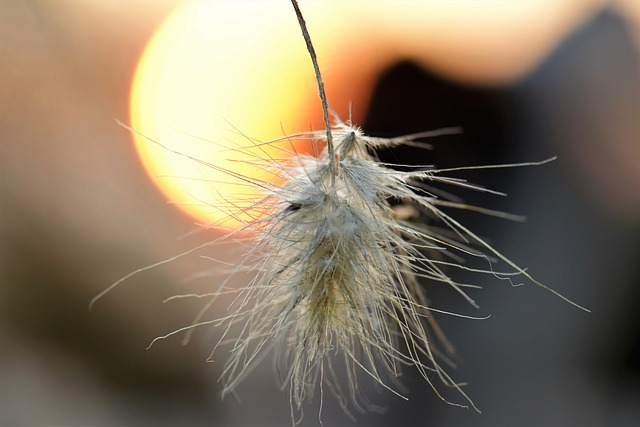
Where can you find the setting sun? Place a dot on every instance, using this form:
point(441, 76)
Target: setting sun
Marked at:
point(204, 75)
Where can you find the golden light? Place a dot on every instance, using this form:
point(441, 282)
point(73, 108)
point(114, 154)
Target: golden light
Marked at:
point(215, 69)
point(208, 69)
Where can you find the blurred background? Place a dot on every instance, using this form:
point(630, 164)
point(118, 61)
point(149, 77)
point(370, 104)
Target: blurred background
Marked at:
point(79, 209)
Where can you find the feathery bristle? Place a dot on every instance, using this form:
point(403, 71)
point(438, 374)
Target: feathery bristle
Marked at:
point(337, 273)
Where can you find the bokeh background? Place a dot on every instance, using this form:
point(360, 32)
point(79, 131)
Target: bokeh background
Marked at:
point(78, 211)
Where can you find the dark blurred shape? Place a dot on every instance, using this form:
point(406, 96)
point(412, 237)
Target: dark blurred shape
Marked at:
point(537, 360)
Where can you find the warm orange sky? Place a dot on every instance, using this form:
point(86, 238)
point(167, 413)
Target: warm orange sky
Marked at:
point(217, 67)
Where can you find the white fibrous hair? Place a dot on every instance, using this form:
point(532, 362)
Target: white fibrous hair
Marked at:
point(338, 273)
point(337, 268)
point(340, 247)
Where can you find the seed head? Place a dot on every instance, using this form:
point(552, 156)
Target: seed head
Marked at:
point(337, 273)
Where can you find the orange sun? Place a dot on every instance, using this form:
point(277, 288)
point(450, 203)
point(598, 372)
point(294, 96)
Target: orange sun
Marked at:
point(209, 70)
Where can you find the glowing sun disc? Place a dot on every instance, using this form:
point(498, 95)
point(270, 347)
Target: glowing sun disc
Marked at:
point(212, 68)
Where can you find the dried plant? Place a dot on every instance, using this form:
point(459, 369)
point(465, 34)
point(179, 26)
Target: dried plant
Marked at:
point(337, 269)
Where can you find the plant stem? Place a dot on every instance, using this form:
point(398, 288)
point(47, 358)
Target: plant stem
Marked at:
point(323, 96)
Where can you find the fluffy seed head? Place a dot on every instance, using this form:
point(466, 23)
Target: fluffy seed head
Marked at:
point(338, 274)
point(336, 271)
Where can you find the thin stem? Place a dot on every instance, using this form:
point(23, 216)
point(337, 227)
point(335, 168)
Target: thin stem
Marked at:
point(323, 96)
